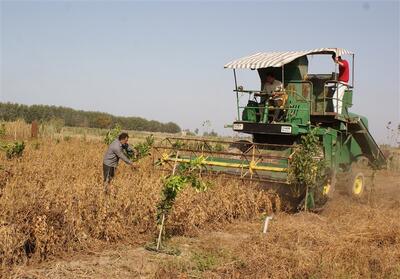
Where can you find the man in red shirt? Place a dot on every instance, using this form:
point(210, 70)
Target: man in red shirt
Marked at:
point(343, 79)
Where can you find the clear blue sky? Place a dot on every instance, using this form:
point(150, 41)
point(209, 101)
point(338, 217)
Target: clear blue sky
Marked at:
point(164, 60)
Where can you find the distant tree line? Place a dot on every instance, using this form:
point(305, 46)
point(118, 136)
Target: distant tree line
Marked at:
point(80, 118)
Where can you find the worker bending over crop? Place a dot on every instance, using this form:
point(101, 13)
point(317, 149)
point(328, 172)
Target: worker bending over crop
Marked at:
point(343, 80)
point(272, 85)
point(111, 158)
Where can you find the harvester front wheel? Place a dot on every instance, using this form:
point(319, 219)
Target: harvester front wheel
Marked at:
point(326, 190)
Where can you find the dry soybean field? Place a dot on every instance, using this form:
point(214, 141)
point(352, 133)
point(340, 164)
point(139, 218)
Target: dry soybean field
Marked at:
point(56, 222)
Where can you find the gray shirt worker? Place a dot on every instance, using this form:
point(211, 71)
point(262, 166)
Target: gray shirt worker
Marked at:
point(114, 153)
point(111, 158)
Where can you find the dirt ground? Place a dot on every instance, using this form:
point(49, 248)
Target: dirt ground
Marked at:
point(348, 239)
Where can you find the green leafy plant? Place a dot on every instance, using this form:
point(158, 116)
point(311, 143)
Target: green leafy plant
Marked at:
point(199, 146)
point(185, 174)
point(2, 130)
point(178, 144)
point(112, 134)
point(139, 150)
point(204, 260)
point(13, 150)
point(143, 149)
point(307, 167)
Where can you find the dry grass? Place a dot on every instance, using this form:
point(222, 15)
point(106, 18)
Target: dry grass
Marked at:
point(17, 129)
point(337, 244)
point(393, 156)
point(52, 206)
point(53, 203)
point(348, 239)
point(226, 201)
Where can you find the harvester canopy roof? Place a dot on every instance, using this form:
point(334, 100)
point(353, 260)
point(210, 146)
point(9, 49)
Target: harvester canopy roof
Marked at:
point(278, 59)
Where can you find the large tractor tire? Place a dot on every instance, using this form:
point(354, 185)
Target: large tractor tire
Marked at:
point(358, 178)
point(357, 185)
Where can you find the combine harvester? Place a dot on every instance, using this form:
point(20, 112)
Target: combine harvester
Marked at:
point(306, 105)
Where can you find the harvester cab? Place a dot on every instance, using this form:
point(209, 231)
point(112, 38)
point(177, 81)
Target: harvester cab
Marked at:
point(277, 118)
point(303, 99)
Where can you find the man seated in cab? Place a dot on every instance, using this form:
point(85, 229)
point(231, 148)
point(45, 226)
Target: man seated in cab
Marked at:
point(271, 86)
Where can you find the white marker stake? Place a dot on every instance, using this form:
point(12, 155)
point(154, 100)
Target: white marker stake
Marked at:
point(267, 219)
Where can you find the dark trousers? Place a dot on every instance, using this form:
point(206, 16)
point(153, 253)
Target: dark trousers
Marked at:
point(108, 173)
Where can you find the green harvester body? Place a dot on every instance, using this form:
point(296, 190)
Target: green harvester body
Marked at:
point(308, 106)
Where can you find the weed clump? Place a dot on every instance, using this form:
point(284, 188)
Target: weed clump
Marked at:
point(13, 150)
